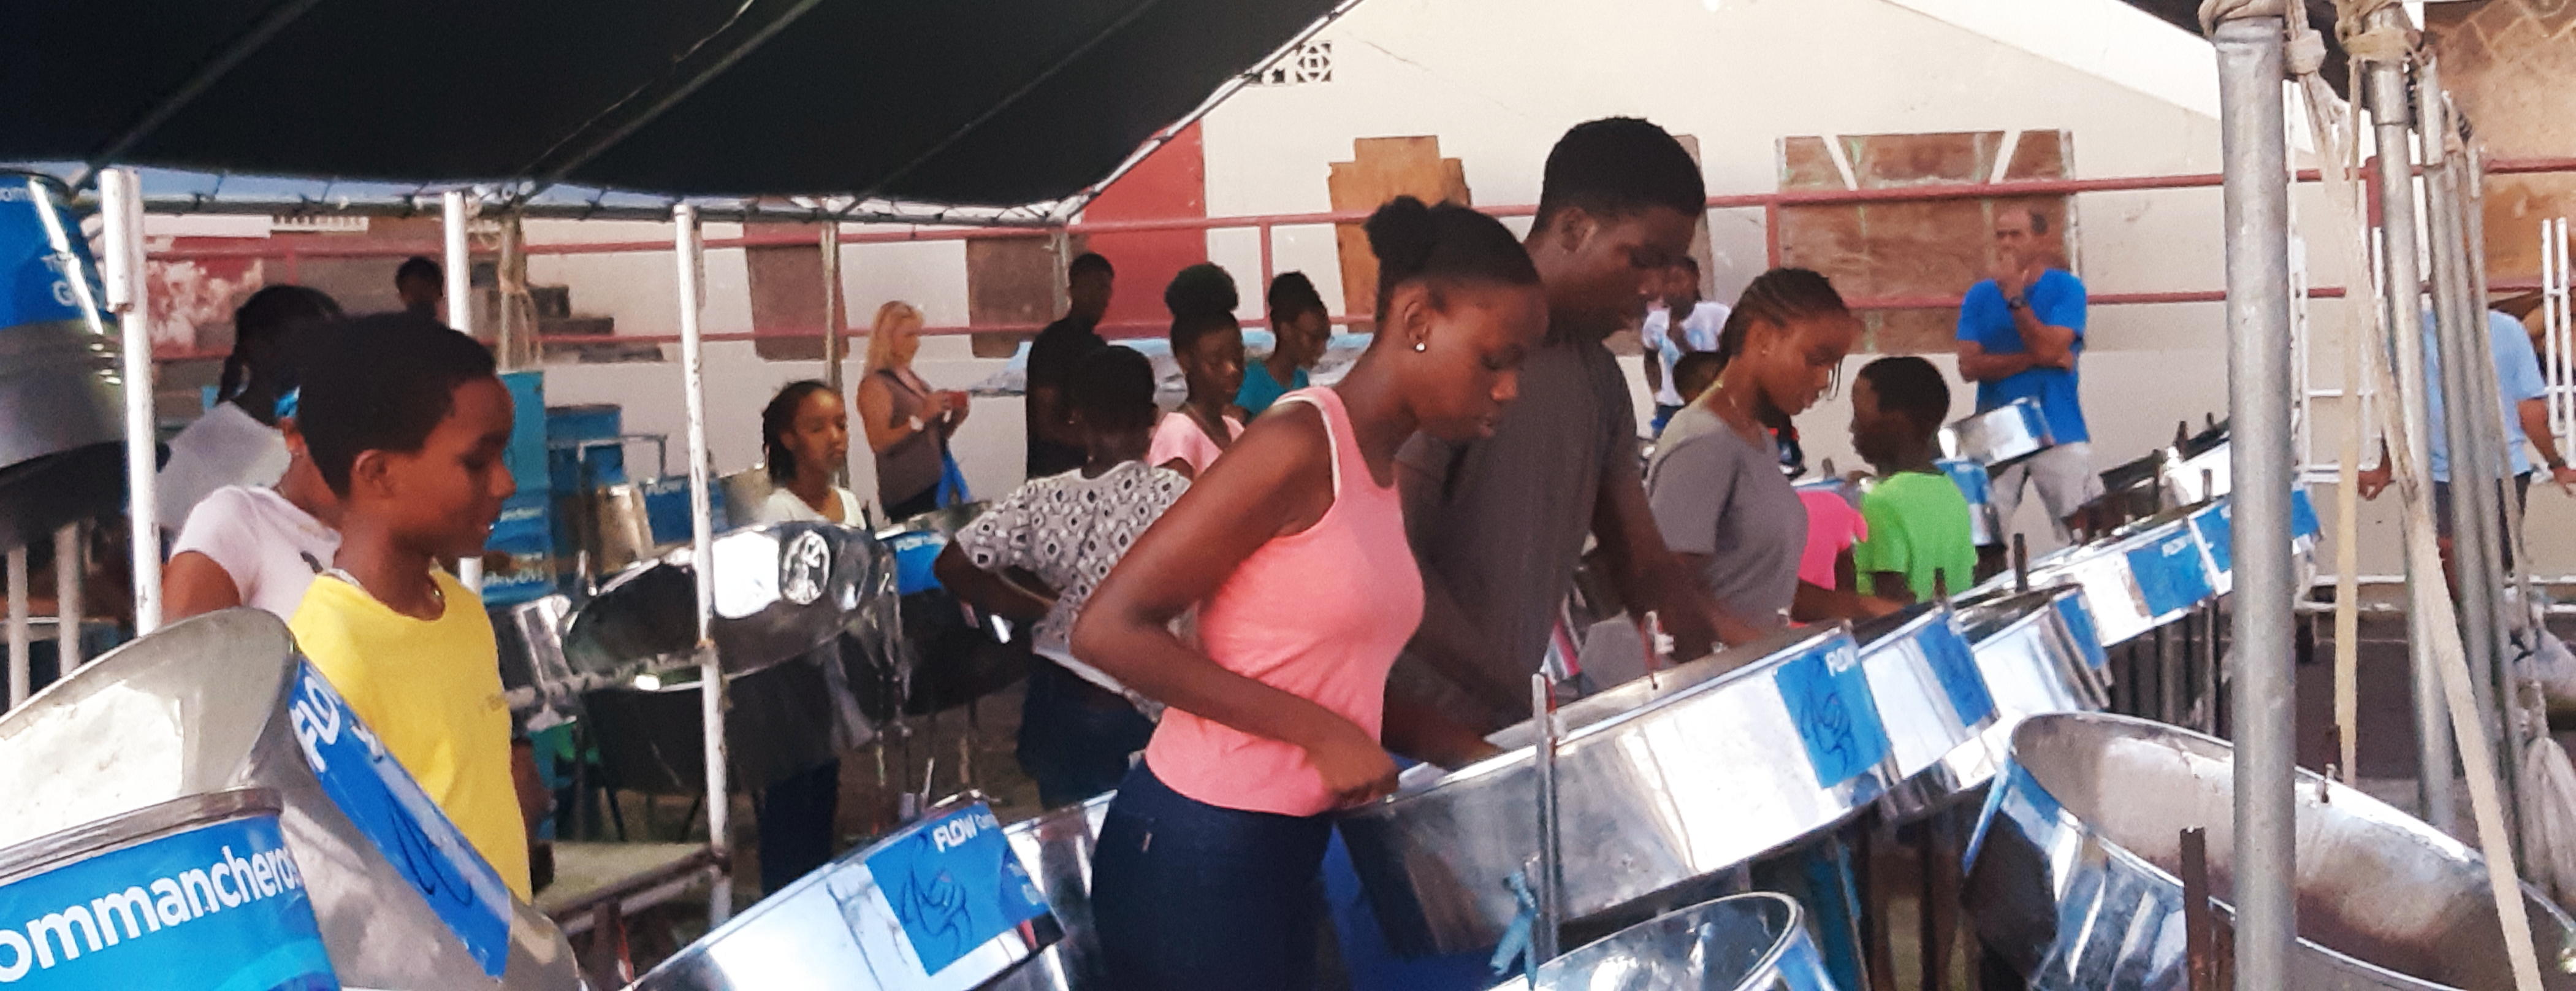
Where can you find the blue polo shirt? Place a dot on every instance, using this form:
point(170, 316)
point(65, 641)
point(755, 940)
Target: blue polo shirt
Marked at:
point(2058, 300)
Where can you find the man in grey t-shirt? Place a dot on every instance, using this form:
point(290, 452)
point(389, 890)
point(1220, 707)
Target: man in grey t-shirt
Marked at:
point(1498, 524)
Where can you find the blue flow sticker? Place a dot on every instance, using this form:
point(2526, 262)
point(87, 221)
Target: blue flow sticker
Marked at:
point(914, 553)
point(1955, 664)
point(2170, 575)
point(2214, 525)
point(2079, 622)
point(386, 805)
point(1971, 478)
point(954, 884)
point(219, 907)
point(2303, 515)
point(46, 261)
point(1828, 697)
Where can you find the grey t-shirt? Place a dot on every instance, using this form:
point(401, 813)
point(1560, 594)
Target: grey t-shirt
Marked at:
point(1512, 510)
point(1715, 494)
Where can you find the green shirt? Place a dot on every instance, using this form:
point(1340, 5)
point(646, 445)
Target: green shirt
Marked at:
point(1918, 527)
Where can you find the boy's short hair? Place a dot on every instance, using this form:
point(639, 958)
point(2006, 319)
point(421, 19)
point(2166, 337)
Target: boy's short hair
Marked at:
point(380, 383)
point(1909, 385)
point(1087, 263)
point(1697, 366)
point(419, 267)
point(1113, 389)
point(1618, 166)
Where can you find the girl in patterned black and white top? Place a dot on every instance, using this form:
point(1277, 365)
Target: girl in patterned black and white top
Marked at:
point(1035, 557)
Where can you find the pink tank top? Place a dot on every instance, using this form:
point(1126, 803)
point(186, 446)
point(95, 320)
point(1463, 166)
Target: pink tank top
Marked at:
point(1319, 614)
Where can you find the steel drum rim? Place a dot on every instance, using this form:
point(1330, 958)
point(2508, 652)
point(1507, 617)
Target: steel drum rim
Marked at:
point(1792, 927)
point(1793, 649)
point(2207, 747)
point(142, 825)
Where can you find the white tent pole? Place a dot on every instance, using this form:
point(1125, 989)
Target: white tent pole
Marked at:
point(456, 211)
point(121, 207)
point(20, 682)
point(711, 686)
point(70, 568)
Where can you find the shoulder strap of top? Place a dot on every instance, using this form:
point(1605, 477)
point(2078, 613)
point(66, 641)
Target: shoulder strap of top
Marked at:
point(1328, 412)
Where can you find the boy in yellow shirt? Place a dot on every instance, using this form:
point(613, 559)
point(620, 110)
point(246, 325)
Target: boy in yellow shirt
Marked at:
point(406, 422)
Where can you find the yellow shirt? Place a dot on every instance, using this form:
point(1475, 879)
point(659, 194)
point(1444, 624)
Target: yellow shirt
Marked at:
point(431, 690)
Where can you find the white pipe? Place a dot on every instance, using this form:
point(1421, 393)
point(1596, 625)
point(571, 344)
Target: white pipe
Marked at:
point(20, 682)
point(70, 569)
point(455, 212)
point(121, 207)
point(711, 685)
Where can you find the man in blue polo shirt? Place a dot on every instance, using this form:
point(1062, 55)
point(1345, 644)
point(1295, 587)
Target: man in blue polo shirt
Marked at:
point(2021, 335)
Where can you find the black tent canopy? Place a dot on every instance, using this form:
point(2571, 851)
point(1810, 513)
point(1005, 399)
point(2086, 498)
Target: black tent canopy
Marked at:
point(978, 102)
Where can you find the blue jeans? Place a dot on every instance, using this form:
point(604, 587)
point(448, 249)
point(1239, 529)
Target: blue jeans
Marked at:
point(1188, 896)
point(1075, 737)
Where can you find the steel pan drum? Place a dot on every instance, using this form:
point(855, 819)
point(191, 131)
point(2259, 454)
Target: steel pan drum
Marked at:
point(1977, 486)
point(125, 885)
point(2147, 574)
point(2038, 655)
point(1924, 681)
point(1755, 942)
point(224, 701)
point(1999, 436)
point(1663, 781)
point(781, 590)
point(60, 422)
point(2072, 873)
point(1057, 848)
point(942, 905)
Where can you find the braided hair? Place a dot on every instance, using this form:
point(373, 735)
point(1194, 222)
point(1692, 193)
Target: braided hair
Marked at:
point(267, 316)
point(1293, 295)
point(1778, 296)
point(777, 418)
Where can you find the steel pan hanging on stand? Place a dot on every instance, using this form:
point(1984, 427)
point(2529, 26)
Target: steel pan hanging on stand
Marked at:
point(62, 430)
point(224, 701)
point(1923, 679)
point(2072, 876)
point(1056, 848)
point(1664, 781)
point(1755, 942)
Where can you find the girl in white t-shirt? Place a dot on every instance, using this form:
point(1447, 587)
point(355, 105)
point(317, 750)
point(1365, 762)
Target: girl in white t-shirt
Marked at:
point(237, 441)
point(254, 546)
point(804, 434)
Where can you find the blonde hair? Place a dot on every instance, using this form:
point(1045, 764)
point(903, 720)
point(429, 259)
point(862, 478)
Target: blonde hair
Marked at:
point(880, 342)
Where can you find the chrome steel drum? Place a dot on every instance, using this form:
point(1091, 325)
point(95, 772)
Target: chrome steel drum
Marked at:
point(1977, 486)
point(1057, 849)
point(1924, 682)
point(1999, 436)
point(942, 905)
point(2072, 875)
point(533, 667)
point(61, 422)
point(223, 701)
point(2212, 524)
point(781, 590)
point(192, 894)
point(1663, 781)
point(1755, 942)
point(2038, 655)
point(2146, 575)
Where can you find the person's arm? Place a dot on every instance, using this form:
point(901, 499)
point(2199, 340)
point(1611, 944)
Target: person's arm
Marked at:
point(1881, 582)
point(2043, 344)
point(192, 584)
point(2535, 425)
point(1815, 603)
point(1280, 484)
point(1648, 573)
point(987, 590)
point(1976, 365)
point(1422, 733)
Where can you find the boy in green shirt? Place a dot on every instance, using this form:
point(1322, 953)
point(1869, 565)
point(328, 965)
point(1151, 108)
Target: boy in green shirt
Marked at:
point(1919, 544)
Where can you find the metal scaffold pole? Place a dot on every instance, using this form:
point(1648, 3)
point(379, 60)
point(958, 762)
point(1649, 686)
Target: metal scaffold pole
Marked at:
point(455, 212)
point(711, 685)
point(2392, 115)
point(120, 197)
point(2256, 214)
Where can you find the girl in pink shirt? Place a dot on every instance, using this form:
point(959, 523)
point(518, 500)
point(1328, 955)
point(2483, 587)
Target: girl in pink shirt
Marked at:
point(1208, 344)
point(1292, 547)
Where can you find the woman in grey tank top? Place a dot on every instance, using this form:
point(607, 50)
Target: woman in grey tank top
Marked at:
point(907, 422)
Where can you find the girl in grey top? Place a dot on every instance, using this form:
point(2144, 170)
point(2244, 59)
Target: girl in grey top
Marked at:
point(1715, 483)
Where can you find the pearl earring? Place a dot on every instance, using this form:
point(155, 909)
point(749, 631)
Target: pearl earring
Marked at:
point(1421, 346)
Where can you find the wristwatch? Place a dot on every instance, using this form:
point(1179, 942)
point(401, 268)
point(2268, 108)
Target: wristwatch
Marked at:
point(2016, 303)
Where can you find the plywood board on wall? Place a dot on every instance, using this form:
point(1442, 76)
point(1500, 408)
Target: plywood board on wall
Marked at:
point(787, 293)
point(1380, 170)
point(1917, 250)
point(1010, 280)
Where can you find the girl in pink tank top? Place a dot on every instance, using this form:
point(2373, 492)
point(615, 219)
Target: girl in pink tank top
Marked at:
point(1292, 547)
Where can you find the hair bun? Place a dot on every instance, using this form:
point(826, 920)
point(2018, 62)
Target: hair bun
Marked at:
point(1401, 234)
point(1201, 290)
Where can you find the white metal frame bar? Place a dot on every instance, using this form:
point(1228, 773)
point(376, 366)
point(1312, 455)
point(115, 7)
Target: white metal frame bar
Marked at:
point(456, 212)
point(121, 208)
point(690, 251)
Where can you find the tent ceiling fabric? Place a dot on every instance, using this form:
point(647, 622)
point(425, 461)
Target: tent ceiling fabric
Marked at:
point(1003, 102)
